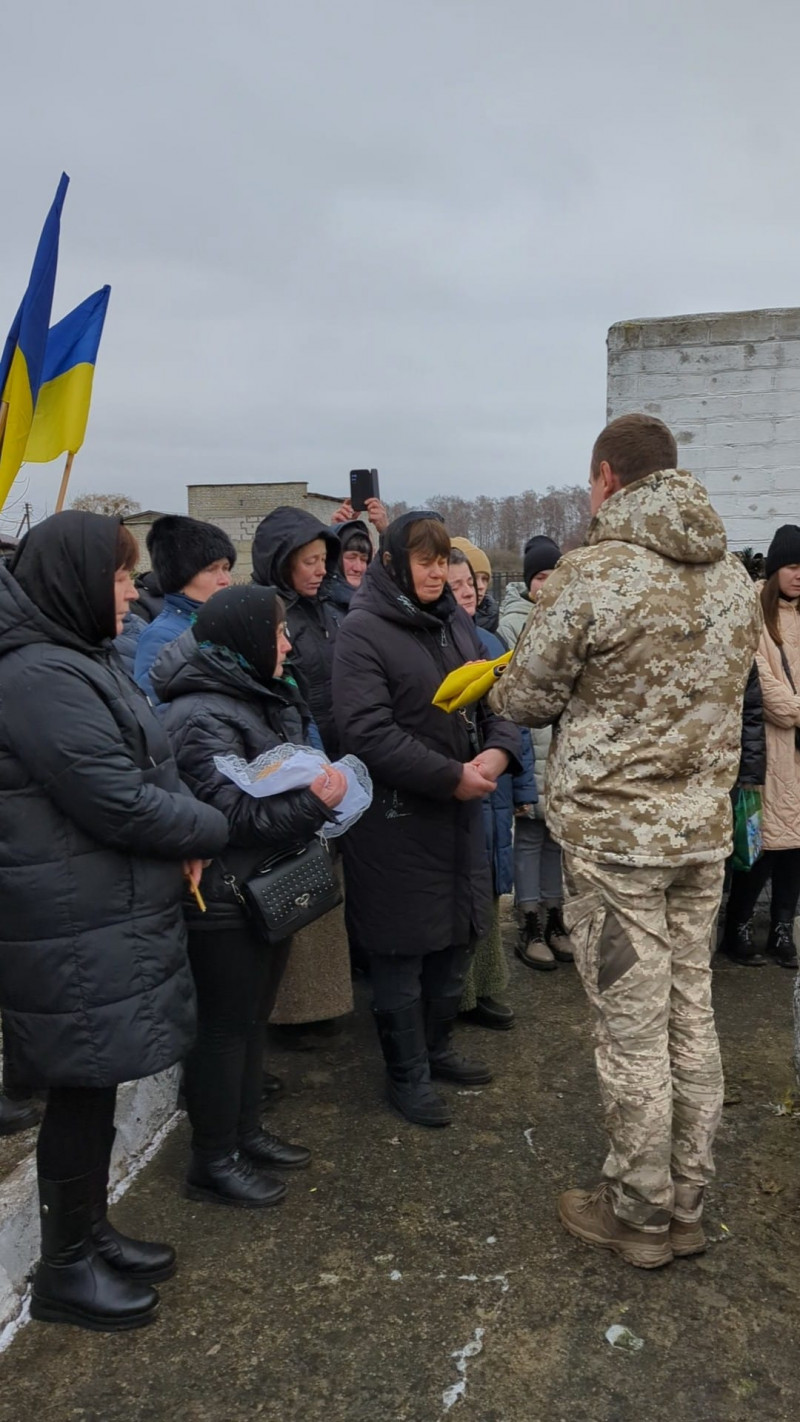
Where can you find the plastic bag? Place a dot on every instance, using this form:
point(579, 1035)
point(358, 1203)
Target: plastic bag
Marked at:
point(748, 839)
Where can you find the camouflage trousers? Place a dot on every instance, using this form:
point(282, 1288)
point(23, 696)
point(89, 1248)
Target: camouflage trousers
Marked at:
point(642, 942)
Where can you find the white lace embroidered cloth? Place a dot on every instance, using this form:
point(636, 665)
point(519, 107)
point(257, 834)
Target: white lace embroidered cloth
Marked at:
point(289, 767)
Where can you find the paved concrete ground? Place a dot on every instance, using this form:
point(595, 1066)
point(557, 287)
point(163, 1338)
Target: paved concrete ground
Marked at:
point(416, 1275)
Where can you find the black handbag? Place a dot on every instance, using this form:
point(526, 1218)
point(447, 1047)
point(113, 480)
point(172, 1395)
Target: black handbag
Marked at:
point(288, 891)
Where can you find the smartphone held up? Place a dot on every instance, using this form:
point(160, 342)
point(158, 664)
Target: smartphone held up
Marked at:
point(363, 486)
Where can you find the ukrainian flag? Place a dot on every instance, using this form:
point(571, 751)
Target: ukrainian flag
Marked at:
point(62, 409)
point(23, 356)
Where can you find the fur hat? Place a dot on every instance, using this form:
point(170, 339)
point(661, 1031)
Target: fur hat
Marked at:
point(180, 548)
point(541, 554)
point(784, 548)
point(478, 561)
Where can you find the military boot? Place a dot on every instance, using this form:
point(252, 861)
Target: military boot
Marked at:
point(531, 946)
point(780, 944)
point(589, 1215)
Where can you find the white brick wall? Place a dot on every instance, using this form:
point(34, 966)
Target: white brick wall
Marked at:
point(728, 386)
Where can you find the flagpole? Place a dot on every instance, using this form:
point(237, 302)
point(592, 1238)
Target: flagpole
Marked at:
point(62, 493)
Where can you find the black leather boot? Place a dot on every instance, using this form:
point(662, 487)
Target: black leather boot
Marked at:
point(556, 936)
point(17, 1116)
point(445, 1062)
point(265, 1148)
point(489, 1012)
point(232, 1180)
point(737, 944)
point(408, 1082)
point(271, 1088)
point(72, 1283)
point(780, 944)
point(137, 1258)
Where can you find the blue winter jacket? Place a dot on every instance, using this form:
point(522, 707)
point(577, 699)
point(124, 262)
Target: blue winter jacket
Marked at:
point(167, 627)
point(512, 790)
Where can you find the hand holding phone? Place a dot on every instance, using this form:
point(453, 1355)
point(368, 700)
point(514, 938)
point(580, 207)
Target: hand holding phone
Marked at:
point(363, 486)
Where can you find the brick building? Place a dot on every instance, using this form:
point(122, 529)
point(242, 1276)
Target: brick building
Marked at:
point(238, 509)
point(728, 385)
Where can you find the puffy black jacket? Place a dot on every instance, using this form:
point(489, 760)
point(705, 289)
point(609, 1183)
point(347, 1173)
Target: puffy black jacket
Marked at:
point(753, 764)
point(214, 707)
point(312, 623)
point(416, 863)
point(94, 824)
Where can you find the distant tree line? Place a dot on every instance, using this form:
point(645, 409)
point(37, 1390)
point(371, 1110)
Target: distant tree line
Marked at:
point(502, 527)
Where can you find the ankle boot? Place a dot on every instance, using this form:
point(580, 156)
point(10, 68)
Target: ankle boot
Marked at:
point(445, 1062)
point(780, 944)
point(738, 945)
point(408, 1073)
point(232, 1179)
point(72, 1283)
point(265, 1148)
point(556, 936)
point(531, 947)
point(136, 1258)
point(17, 1116)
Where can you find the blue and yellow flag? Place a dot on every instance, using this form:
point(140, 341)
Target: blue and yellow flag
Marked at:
point(62, 409)
point(23, 356)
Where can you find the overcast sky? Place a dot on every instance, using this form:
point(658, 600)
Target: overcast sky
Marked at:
point(387, 232)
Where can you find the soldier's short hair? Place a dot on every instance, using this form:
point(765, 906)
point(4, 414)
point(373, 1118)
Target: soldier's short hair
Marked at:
point(635, 446)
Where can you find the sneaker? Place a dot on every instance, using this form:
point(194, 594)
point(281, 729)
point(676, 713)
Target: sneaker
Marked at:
point(589, 1215)
point(556, 936)
point(531, 947)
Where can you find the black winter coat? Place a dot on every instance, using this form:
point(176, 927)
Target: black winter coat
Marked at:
point(416, 863)
point(753, 764)
point(215, 707)
point(488, 614)
point(312, 623)
point(94, 823)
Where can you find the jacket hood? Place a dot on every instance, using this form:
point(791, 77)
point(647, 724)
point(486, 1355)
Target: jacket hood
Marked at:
point(380, 594)
point(184, 668)
point(668, 512)
point(515, 599)
point(59, 586)
point(279, 535)
point(342, 531)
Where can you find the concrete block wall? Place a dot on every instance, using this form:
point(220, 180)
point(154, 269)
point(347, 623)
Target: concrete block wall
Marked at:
point(728, 385)
point(239, 509)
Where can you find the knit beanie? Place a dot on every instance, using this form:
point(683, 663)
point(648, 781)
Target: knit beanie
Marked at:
point(180, 548)
point(541, 554)
point(784, 548)
point(477, 558)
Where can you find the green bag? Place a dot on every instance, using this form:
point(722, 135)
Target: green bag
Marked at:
point(748, 838)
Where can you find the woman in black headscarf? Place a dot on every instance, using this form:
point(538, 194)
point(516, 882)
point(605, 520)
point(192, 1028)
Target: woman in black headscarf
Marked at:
point(225, 693)
point(96, 834)
point(417, 873)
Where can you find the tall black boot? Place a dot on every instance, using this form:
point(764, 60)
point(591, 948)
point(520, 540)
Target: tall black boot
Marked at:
point(408, 1085)
point(445, 1062)
point(72, 1283)
point(147, 1263)
point(780, 944)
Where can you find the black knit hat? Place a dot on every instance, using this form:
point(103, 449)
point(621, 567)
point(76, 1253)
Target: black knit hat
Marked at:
point(180, 548)
point(541, 554)
point(784, 548)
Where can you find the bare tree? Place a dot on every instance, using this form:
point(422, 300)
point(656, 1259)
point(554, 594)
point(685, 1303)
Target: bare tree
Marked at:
point(114, 505)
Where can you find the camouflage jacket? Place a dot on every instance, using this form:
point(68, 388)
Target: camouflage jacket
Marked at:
point(639, 648)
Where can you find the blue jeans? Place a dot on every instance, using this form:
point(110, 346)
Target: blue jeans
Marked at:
point(537, 865)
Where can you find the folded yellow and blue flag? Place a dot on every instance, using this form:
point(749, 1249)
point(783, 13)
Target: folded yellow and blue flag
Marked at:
point(469, 683)
point(23, 355)
point(62, 409)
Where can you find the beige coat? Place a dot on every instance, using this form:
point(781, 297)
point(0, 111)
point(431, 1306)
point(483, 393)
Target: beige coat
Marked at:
point(781, 715)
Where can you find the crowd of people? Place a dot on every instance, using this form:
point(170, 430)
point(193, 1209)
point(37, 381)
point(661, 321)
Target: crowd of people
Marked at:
point(649, 679)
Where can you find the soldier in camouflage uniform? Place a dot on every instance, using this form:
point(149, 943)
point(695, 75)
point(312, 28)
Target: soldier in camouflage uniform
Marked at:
point(638, 649)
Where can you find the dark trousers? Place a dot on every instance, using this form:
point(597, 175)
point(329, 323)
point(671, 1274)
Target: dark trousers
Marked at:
point(77, 1131)
point(398, 981)
point(782, 866)
point(237, 979)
